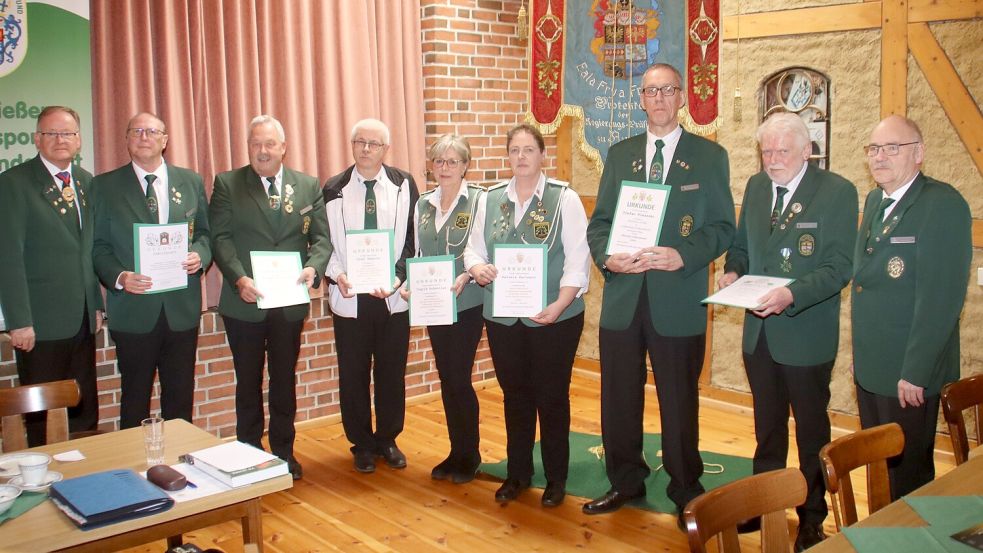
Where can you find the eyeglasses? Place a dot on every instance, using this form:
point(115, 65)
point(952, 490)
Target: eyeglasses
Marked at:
point(371, 145)
point(52, 135)
point(890, 149)
point(667, 90)
point(149, 133)
point(452, 163)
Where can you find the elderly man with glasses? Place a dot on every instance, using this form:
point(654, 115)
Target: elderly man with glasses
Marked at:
point(911, 267)
point(371, 326)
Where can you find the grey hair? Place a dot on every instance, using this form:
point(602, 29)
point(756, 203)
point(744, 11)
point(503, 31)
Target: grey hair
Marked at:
point(785, 124)
point(374, 125)
point(268, 119)
point(450, 142)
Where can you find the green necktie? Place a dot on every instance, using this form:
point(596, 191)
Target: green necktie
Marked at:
point(275, 203)
point(371, 221)
point(152, 197)
point(877, 225)
point(779, 206)
point(656, 173)
point(68, 193)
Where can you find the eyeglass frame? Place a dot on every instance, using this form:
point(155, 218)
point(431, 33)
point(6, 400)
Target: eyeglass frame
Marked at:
point(871, 150)
point(373, 146)
point(54, 135)
point(668, 91)
point(452, 163)
point(146, 132)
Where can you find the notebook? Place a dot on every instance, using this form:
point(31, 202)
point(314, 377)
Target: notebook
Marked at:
point(106, 497)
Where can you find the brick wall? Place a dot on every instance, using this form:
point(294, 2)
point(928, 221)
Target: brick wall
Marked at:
point(474, 68)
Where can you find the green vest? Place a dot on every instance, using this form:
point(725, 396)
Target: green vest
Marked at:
point(541, 224)
point(452, 238)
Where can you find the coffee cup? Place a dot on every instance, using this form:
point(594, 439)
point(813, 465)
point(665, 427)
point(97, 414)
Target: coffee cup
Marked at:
point(34, 468)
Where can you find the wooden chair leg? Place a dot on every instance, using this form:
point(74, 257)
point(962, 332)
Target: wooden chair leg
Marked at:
point(252, 528)
point(175, 541)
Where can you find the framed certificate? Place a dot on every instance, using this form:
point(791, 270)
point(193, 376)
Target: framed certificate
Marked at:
point(519, 290)
point(747, 291)
point(370, 260)
point(275, 275)
point(637, 217)
point(158, 252)
point(431, 286)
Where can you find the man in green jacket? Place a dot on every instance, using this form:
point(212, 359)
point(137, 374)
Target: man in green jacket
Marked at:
point(652, 296)
point(155, 327)
point(799, 222)
point(911, 267)
point(48, 291)
point(265, 206)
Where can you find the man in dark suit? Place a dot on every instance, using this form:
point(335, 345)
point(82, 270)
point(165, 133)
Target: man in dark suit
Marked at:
point(266, 206)
point(911, 267)
point(652, 297)
point(798, 222)
point(155, 333)
point(372, 329)
point(49, 293)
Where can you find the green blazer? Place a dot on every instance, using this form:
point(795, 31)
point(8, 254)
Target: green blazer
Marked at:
point(699, 223)
point(120, 202)
point(47, 279)
point(908, 290)
point(818, 231)
point(242, 222)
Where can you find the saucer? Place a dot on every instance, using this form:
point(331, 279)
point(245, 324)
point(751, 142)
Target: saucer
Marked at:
point(49, 479)
point(9, 466)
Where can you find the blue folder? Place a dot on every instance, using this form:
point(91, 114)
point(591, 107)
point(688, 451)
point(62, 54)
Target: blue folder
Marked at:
point(106, 497)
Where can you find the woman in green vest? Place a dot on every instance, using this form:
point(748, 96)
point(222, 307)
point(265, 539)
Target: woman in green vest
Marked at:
point(534, 355)
point(443, 219)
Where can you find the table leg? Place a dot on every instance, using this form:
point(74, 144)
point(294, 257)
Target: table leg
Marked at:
point(175, 541)
point(252, 527)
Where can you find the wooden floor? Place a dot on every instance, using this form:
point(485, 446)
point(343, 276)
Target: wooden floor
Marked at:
point(336, 509)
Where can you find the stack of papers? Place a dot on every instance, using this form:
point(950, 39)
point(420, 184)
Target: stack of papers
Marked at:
point(237, 464)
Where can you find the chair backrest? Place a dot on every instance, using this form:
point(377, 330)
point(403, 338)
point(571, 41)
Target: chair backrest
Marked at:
point(53, 397)
point(956, 398)
point(871, 447)
point(768, 495)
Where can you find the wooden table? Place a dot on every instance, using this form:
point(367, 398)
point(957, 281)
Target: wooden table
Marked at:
point(966, 479)
point(45, 528)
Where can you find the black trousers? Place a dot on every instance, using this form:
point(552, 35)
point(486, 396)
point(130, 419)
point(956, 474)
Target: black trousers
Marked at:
point(278, 341)
point(915, 467)
point(166, 353)
point(454, 348)
point(533, 366)
point(774, 388)
point(676, 364)
point(51, 360)
point(372, 348)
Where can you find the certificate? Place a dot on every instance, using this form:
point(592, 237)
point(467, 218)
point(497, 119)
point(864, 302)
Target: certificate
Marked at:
point(275, 275)
point(519, 289)
point(369, 260)
point(3, 324)
point(159, 251)
point(432, 298)
point(747, 291)
point(638, 217)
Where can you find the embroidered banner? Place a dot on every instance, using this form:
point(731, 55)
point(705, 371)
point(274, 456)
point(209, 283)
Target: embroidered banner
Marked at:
point(587, 61)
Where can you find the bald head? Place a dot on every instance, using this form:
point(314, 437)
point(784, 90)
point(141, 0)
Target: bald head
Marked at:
point(903, 137)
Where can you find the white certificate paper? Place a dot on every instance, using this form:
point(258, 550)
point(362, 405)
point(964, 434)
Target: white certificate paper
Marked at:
point(519, 290)
point(746, 292)
point(275, 275)
point(159, 251)
point(637, 217)
point(369, 260)
point(432, 298)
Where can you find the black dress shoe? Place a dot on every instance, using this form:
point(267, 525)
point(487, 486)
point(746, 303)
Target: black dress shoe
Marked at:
point(554, 493)
point(393, 456)
point(810, 533)
point(465, 472)
point(752, 524)
point(296, 471)
point(681, 521)
point(443, 470)
point(364, 461)
point(510, 489)
point(609, 502)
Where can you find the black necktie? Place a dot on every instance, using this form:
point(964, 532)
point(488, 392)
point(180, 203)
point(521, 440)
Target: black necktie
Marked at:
point(152, 197)
point(68, 194)
point(877, 225)
point(371, 220)
point(779, 206)
point(275, 203)
point(656, 173)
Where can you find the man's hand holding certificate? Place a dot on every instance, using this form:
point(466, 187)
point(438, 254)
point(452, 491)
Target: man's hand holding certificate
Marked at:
point(748, 292)
point(638, 217)
point(431, 284)
point(279, 279)
point(519, 289)
point(160, 256)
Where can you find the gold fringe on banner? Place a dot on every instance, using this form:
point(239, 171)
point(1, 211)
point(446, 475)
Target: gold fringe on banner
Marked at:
point(577, 114)
point(686, 120)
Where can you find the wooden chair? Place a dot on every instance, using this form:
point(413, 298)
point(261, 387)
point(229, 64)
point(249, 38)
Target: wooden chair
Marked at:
point(956, 398)
point(53, 397)
point(768, 495)
point(872, 448)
